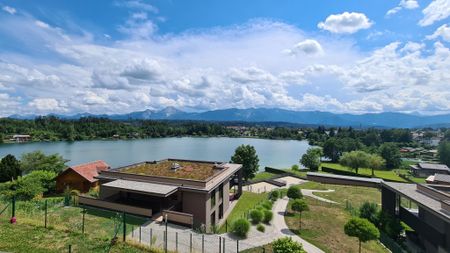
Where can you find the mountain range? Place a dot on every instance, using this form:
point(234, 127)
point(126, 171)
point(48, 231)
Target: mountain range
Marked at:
point(382, 120)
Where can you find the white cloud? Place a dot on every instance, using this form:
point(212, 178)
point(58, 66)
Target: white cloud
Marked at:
point(306, 47)
point(46, 105)
point(137, 5)
point(347, 22)
point(443, 32)
point(404, 4)
point(435, 11)
point(9, 9)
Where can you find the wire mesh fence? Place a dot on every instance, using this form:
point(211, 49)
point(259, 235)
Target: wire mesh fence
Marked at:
point(109, 226)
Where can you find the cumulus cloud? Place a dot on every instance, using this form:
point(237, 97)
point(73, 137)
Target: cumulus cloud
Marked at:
point(46, 105)
point(9, 9)
point(404, 4)
point(435, 11)
point(347, 22)
point(137, 5)
point(443, 32)
point(306, 47)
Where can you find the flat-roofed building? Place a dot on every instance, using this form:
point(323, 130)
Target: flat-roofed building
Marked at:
point(187, 192)
point(443, 179)
point(424, 208)
point(428, 169)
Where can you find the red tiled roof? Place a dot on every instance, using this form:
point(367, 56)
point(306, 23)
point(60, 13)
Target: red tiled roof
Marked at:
point(90, 170)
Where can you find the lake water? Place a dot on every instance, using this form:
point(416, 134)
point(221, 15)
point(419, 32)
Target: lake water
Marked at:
point(274, 153)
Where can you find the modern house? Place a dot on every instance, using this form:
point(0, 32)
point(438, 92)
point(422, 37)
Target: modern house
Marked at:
point(80, 177)
point(192, 193)
point(424, 208)
point(428, 169)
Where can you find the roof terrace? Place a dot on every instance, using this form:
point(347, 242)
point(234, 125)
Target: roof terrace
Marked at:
point(171, 168)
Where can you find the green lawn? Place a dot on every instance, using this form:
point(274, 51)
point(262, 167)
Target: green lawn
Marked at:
point(384, 174)
point(29, 238)
point(263, 175)
point(246, 202)
point(323, 225)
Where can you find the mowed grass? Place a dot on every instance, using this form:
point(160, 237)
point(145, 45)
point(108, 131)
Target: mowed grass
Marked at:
point(29, 238)
point(246, 202)
point(384, 174)
point(263, 175)
point(323, 225)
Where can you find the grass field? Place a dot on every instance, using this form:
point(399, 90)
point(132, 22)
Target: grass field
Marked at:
point(323, 225)
point(384, 174)
point(64, 227)
point(246, 202)
point(263, 175)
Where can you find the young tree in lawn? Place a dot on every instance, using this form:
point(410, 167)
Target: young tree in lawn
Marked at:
point(375, 162)
point(37, 160)
point(369, 211)
point(362, 229)
point(9, 168)
point(444, 152)
point(299, 205)
point(355, 160)
point(246, 155)
point(294, 192)
point(391, 154)
point(311, 159)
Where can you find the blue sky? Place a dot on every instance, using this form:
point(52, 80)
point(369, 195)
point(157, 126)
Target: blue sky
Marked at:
point(122, 56)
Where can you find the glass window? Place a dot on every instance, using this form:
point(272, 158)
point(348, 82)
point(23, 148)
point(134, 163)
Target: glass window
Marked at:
point(213, 198)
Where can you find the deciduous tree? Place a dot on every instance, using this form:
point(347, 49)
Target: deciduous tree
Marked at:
point(311, 159)
point(9, 168)
point(37, 160)
point(299, 205)
point(362, 229)
point(246, 155)
point(391, 154)
point(355, 160)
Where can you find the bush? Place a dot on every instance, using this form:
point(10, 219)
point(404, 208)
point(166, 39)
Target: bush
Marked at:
point(295, 167)
point(240, 227)
point(287, 245)
point(369, 211)
point(261, 228)
point(256, 216)
point(294, 192)
point(268, 216)
point(267, 205)
point(29, 186)
point(274, 195)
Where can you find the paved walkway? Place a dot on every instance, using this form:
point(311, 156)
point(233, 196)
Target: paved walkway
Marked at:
point(310, 193)
point(179, 238)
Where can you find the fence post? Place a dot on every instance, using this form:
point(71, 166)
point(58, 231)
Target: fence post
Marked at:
point(203, 243)
point(151, 237)
point(237, 246)
point(132, 231)
point(220, 244)
point(70, 248)
point(13, 211)
point(264, 249)
point(45, 219)
point(140, 233)
point(176, 241)
point(82, 223)
point(223, 251)
point(124, 226)
point(190, 244)
point(226, 225)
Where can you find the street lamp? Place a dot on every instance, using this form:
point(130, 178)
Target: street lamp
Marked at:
point(165, 218)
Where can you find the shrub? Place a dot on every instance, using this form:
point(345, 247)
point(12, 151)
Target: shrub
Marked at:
point(256, 216)
point(287, 245)
point(274, 195)
point(261, 228)
point(295, 167)
point(240, 227)
point(369, 211)
point(267, 205)
point(294, 192)
point(268, 216)
point(30, 186)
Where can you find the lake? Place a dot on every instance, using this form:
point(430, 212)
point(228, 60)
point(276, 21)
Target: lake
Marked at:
point(274, 153)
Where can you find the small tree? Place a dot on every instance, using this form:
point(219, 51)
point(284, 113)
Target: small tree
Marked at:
point(300, 206)
point(246, 155)
point(355, 160)
point(274, 195)
point(240, 227)
point(37, 160)
point(369, 211)
point(311, 159)
point(287, 245)
point(268, 216)
point(295, 167)
point(9, 168)
point(362, 229)
point(375, 162)
point(391, 154)
point(294, 192)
